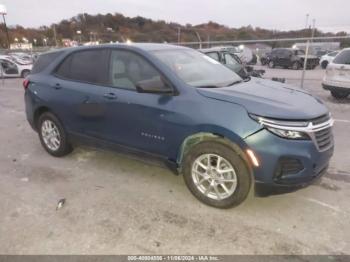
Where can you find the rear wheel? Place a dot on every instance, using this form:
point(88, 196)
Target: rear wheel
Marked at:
point(339, 94)
point(25, 73)
point(216, 175)
point(324, 64)
point(52, 135)
point(271, 64)
point(296, 65)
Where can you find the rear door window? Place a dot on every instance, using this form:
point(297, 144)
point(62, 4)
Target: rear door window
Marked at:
point(342, 58)
point(286, 53)
point(90, 66)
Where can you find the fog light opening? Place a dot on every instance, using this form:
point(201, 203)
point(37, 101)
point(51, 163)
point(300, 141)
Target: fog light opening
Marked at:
point(253, 157)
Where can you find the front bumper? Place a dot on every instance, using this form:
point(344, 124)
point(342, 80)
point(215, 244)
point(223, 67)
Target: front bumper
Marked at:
point(271, 150)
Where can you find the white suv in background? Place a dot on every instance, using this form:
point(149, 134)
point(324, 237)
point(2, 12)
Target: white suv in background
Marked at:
point(327, 58)
point(337, 76)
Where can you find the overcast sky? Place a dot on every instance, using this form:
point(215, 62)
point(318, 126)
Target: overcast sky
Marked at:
point(330, 15)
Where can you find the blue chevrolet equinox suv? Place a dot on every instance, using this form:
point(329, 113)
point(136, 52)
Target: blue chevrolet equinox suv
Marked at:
point(178, 105)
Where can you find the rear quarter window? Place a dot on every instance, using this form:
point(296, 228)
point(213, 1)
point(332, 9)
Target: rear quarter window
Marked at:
point(44, 61)
point(342, 58)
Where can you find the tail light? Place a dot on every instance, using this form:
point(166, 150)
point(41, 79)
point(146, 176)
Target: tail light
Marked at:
point(25, 83)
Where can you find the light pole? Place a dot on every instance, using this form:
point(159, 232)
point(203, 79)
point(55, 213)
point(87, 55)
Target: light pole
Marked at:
point(79, 34)
point(3, 12)
point(307, 20)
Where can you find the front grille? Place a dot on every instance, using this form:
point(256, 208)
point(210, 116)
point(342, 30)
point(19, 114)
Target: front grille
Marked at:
point(324, 138)
point(320, 120)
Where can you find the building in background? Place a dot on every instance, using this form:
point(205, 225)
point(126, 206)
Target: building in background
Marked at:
point(21, 46)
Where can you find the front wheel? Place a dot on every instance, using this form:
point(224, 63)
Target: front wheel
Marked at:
point(52, 135)
point(324, 64)
point(271, 64)
point(216, 175)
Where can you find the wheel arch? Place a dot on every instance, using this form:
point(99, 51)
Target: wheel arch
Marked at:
point(234, 142)
point(38, 112)
point(23, 71)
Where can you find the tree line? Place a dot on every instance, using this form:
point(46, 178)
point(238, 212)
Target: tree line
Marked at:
point(117, 27)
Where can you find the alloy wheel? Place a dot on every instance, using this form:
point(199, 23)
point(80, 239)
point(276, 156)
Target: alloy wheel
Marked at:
point(51, 135)
point(214, 176)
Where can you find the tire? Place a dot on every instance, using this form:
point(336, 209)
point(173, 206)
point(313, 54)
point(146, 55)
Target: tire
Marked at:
point(238, 191)
point(61, 148)
point(271, 64)
point(25, 73)
point(339, 95)
point(296, 65)
point(324, 64)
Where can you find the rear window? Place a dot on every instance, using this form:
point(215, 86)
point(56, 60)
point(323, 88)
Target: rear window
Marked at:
point(89, 66)
point(44, 61)
point(342, 58)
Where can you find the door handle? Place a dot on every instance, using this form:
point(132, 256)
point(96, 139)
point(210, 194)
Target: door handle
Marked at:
point(57, 86)
point(110, 96)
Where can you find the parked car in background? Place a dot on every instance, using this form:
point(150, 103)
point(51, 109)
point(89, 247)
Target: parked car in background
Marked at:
point(327, 58)
point(22, 58)
point(10, 68)
point(291, 58)
point(244, 53)
point(264, 58)
point(233, 62)
point(228, 59)
point(337, 76)
point(177, 104)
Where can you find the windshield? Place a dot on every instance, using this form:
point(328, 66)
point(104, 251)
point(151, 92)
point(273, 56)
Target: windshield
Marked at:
point(197, 69)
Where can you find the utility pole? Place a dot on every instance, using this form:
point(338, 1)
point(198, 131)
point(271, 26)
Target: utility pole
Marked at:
point(55, 35)
point(199, 39)
point(7, 32)
point(307, 21)
point(313, 28)
point(3, 12)
point(305, 64)
point(307, 52)
point(178, 35)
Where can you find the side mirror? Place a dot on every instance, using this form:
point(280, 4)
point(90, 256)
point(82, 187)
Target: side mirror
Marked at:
point(154, 85)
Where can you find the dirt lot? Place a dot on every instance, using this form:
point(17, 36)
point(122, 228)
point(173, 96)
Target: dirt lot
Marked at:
point(120, 205)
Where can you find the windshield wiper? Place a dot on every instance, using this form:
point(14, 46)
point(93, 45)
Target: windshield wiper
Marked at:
point(235, 82)
point(218, 86)
point(208, 86)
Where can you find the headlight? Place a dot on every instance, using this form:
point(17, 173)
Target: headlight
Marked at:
point(289, 134)
point(284, 129)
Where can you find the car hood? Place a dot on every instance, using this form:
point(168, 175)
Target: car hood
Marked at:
point(270, 99)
